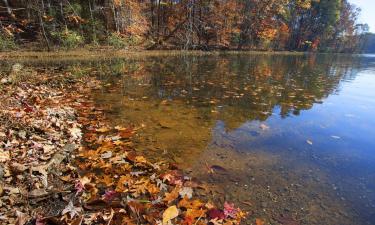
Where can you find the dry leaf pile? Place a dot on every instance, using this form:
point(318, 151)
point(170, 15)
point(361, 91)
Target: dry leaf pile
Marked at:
point(61, 163)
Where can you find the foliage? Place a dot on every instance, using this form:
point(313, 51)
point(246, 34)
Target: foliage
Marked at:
point(330, 25)
point(7, 43)
point(68, 39)
point(57, 117)
point(119, 41)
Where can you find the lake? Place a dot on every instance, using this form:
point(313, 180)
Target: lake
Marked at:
point(288, 138)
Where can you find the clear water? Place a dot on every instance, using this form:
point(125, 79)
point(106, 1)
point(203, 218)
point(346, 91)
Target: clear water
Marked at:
point(293, 136)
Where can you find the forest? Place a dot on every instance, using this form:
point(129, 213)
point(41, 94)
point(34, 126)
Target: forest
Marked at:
point(292, 25)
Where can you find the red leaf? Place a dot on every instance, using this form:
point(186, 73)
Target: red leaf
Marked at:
point(216, 214)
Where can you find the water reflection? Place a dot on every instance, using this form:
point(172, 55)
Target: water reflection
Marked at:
point(294, 133)
point(285, 127)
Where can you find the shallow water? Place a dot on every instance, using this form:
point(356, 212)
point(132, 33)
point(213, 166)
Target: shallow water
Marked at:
point(290, 139)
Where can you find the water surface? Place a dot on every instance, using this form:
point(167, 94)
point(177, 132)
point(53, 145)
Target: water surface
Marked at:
point(289, 138)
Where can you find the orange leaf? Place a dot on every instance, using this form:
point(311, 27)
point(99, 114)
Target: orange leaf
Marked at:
point(169, 197)
point(259, 221)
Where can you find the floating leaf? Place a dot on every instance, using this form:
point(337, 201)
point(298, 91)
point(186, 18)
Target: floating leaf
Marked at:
point(264, 126)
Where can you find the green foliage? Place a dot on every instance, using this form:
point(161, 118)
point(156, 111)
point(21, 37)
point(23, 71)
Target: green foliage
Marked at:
point(77, 71)
point(236, 38)
point(7, 43)
point(117, 41)
point(68, 39)
point(94, 31)
point(73, 8)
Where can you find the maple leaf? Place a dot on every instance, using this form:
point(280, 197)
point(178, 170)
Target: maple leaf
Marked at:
point(195, 213)
point(230, 211)
point(173, 195)
point(174, 177)
point(188, 204)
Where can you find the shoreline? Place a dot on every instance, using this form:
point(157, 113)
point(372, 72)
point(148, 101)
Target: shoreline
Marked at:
point(80, 170)
point(134, 53)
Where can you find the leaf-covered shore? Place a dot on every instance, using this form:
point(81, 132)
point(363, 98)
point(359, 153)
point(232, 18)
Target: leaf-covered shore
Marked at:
point(62, 163)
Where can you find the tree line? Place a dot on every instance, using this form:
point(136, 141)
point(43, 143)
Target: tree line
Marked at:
point(295, 25)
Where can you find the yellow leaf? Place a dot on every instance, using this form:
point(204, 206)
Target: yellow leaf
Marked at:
point(140, 159)
point(102, 129)
point(169, 214)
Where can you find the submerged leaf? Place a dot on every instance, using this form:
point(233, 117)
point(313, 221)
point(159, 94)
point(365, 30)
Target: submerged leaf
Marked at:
point(259, 221)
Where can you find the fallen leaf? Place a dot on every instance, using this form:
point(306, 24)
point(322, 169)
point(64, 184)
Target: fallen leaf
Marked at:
point(36, 193)
point(102, 130)
point(230, 210)
point(173, 195)
point(195, 213)
point(4, 155)
point(264, 126)
point(186, 191)
point(22, 218)
point(76, 133)
point(286, 220)
point(106, 155)
point(109, 195)
point(169, 214)
point(259, 221)
point(72, 210)
point(216, 214)
point(188, 204)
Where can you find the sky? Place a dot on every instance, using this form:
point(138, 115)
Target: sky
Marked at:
point(368, 12)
